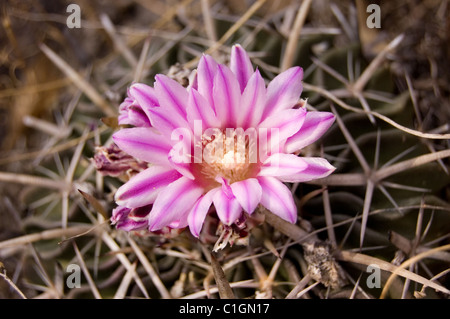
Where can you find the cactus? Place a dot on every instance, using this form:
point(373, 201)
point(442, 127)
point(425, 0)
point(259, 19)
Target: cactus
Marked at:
point(386, 204)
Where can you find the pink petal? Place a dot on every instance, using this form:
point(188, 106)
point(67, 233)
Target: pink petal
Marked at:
point(172, 96)
point(143, 188)
point(226, 96)
point(132, 114)
point(119, 213)
point(181, 163)
point(166, 122)
point(132, 224)
point(199, 109)
point(241, 65)
point(144, 95)
point(284, 91)
point(253, 101)
point(316, 167)
point(173, 203)
point(206, 72)
point(287, 167)
point(315, 125)
point(128, 219)
point(193, 82)
point(138, 117)
point(198, 213)
point(248, 193)
point(280, 127)
point(144, 144)
point(278, 198)
point(134, 109)
point(227, 207)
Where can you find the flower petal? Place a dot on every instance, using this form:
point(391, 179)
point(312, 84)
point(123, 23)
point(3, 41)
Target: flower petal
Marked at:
point(248, 193)
point(198, 213)
point(143, 188)
point(181, 164)
point(166, 122)
point(144, 95)
point(132, 224)
point(241, 65)
point(316, 168)
point(119, 213)
point(173, 203)
point(206, 71)
point(132, 114)
point(315, 125)
point(253, 101)
point(199, 109)
point(279, 127)
point(284, 91)
point(134, 109)
point(278, 198)
point(227, 206)
point(144, 144)
point(226, 96)
point(172, 96)
point(131, 219)
point(284, 166)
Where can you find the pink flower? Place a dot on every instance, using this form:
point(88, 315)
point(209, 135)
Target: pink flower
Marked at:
point(134, 109)
point(226, 141)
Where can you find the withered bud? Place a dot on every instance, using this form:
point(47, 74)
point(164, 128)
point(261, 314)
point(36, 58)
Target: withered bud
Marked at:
point(112, 161)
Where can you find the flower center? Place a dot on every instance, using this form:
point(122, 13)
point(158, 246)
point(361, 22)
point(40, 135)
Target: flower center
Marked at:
point(228, 154)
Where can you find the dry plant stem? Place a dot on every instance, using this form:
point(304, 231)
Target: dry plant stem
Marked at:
point(32, 89)
point(223, 285)
point(382, 117)
point(366, 209)
point(350, 179)
point(293, 231)
point(45, 235)
point(54, 149)
point(277, 264)
point(119, 44)
point(411, 261)
point(304, 291)
point(384, 265)
point(359, 85)
point(329, 217)
point(348, 29)
point(10, 282)
point(79, 81)
point(235, 27)
point(209, 23)
point(411, 163)
point(107, 239)
point(289, 54)
point(125, 283)
point(140, 66)
point(150, 270)
point(299, 287)
point(351, 142)
point(355, 179)
point(34, 180)
point(46, 127)
point(169, 14)
point(240, 284)
point(89, 279)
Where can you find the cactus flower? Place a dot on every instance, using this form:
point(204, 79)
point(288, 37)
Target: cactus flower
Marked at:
point(227, 141)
